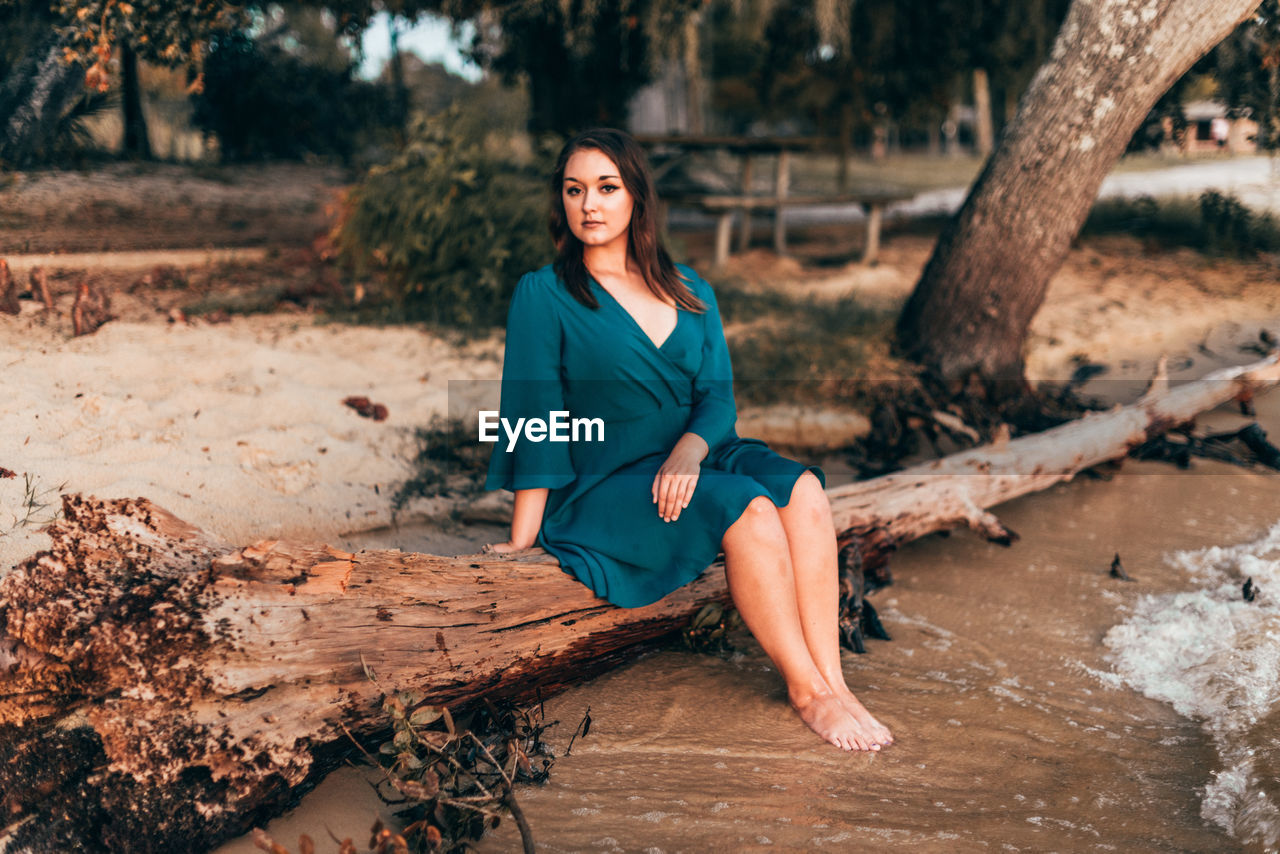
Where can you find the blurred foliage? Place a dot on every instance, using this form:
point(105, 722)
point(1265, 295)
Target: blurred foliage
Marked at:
point(583, 61)
point(21, 24)
point(263, 100)
point(1242, 72)
point(839, 68)
point(452, 222)
point(1215, 224)
point(1246, 67)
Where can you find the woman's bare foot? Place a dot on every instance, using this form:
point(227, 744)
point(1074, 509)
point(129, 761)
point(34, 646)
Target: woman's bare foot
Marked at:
point(875, 731)
point(830, 717)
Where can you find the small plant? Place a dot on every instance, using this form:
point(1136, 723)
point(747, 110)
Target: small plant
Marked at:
point(447, 462)
point(453, 780)
point(708, 632)
point(1229, 226)
point(34, 507)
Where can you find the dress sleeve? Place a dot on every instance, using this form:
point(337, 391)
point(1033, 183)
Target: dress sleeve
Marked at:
point(531, 388)
point(714, 413)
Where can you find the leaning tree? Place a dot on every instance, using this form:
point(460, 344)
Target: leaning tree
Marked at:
point(1112, 60)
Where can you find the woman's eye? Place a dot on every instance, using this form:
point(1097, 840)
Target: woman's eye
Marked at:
point(608, 188)
point(572, 191)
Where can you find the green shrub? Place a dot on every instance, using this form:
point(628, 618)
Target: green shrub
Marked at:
point(1215, 223)
point(452, 222)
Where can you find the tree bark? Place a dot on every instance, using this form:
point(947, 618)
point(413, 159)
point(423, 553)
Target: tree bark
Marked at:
point(137, 141)
point(984, 127)
point(34, 96)
point(693, 77)
point(161, 690)
point(989, 272)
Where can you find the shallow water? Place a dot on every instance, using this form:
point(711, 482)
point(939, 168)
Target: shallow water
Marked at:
point(1006, 739)
point(1005, 685)
point(1215, 656)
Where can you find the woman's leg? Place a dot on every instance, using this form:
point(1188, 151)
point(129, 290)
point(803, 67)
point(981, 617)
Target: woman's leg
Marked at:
point(812, 544)
point(763, 587)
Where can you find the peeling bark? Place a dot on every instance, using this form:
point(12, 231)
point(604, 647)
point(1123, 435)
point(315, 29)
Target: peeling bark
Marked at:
point(163, 690)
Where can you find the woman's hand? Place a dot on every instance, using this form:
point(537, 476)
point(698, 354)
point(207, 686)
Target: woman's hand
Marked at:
point(503, 548)
point(678, 476)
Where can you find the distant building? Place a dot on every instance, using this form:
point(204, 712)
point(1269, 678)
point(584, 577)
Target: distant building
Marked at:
point(1212, 127)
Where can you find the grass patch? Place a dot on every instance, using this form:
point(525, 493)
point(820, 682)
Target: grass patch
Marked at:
point(807, 351)
point(447, 462)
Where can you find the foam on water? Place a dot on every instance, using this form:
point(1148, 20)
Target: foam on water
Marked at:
point(1216, 658)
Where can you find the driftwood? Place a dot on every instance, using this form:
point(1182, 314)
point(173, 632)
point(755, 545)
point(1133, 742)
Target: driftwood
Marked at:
point(8, 290)
point(162, 690)
point(91, 309)
point(40, 287)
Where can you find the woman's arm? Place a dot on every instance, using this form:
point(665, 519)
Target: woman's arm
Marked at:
point(526, 519)
point(714, 413)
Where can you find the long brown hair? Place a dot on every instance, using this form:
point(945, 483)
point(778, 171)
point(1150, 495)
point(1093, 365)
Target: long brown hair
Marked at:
point(644, 246)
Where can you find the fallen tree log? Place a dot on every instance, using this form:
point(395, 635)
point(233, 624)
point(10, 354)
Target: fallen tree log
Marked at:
point(162, 690)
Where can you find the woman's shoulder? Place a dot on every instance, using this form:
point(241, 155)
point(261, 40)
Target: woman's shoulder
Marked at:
point(539, 278)
point(701, 287)
point(542, 283)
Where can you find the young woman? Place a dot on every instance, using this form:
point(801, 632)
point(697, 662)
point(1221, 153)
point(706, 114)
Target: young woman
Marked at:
point(615, 331)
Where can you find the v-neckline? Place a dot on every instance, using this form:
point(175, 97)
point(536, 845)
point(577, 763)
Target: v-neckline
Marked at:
point(635, 323)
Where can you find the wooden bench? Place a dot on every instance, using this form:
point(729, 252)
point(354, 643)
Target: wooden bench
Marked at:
point(724, 206)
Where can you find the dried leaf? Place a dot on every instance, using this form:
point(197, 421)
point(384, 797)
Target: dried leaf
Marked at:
point(425, 715)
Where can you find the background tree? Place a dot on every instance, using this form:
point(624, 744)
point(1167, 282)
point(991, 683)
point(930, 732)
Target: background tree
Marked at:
point(970, 312)
point(1246, 67)
point(288, 89)
point(38, 88)
point(71, 45)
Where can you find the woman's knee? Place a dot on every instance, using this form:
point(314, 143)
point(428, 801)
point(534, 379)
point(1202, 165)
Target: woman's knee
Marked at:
point(758, 521)
point(809, 500)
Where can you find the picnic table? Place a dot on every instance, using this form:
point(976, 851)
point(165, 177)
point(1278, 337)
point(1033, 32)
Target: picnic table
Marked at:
point(724, 205)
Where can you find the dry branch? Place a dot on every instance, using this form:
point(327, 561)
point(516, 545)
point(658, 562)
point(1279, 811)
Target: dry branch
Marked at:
point(40, 287)
point(91, 309)
point(8, 290)
point(162, 690)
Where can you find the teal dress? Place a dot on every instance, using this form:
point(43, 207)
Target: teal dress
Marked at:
point(599, 366)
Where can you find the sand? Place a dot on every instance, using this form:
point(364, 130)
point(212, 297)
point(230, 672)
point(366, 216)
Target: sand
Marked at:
point(238, 427)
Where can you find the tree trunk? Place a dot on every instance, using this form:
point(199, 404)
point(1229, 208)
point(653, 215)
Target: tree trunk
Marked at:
point(137, 142)
point(845, 134)
point(692, 44)
point(34, 96)
point(984, 128)
point(161, 690)
point(990, 270)
point(398, 86)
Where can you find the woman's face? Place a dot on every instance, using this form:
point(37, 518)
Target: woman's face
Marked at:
point(597, 205)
